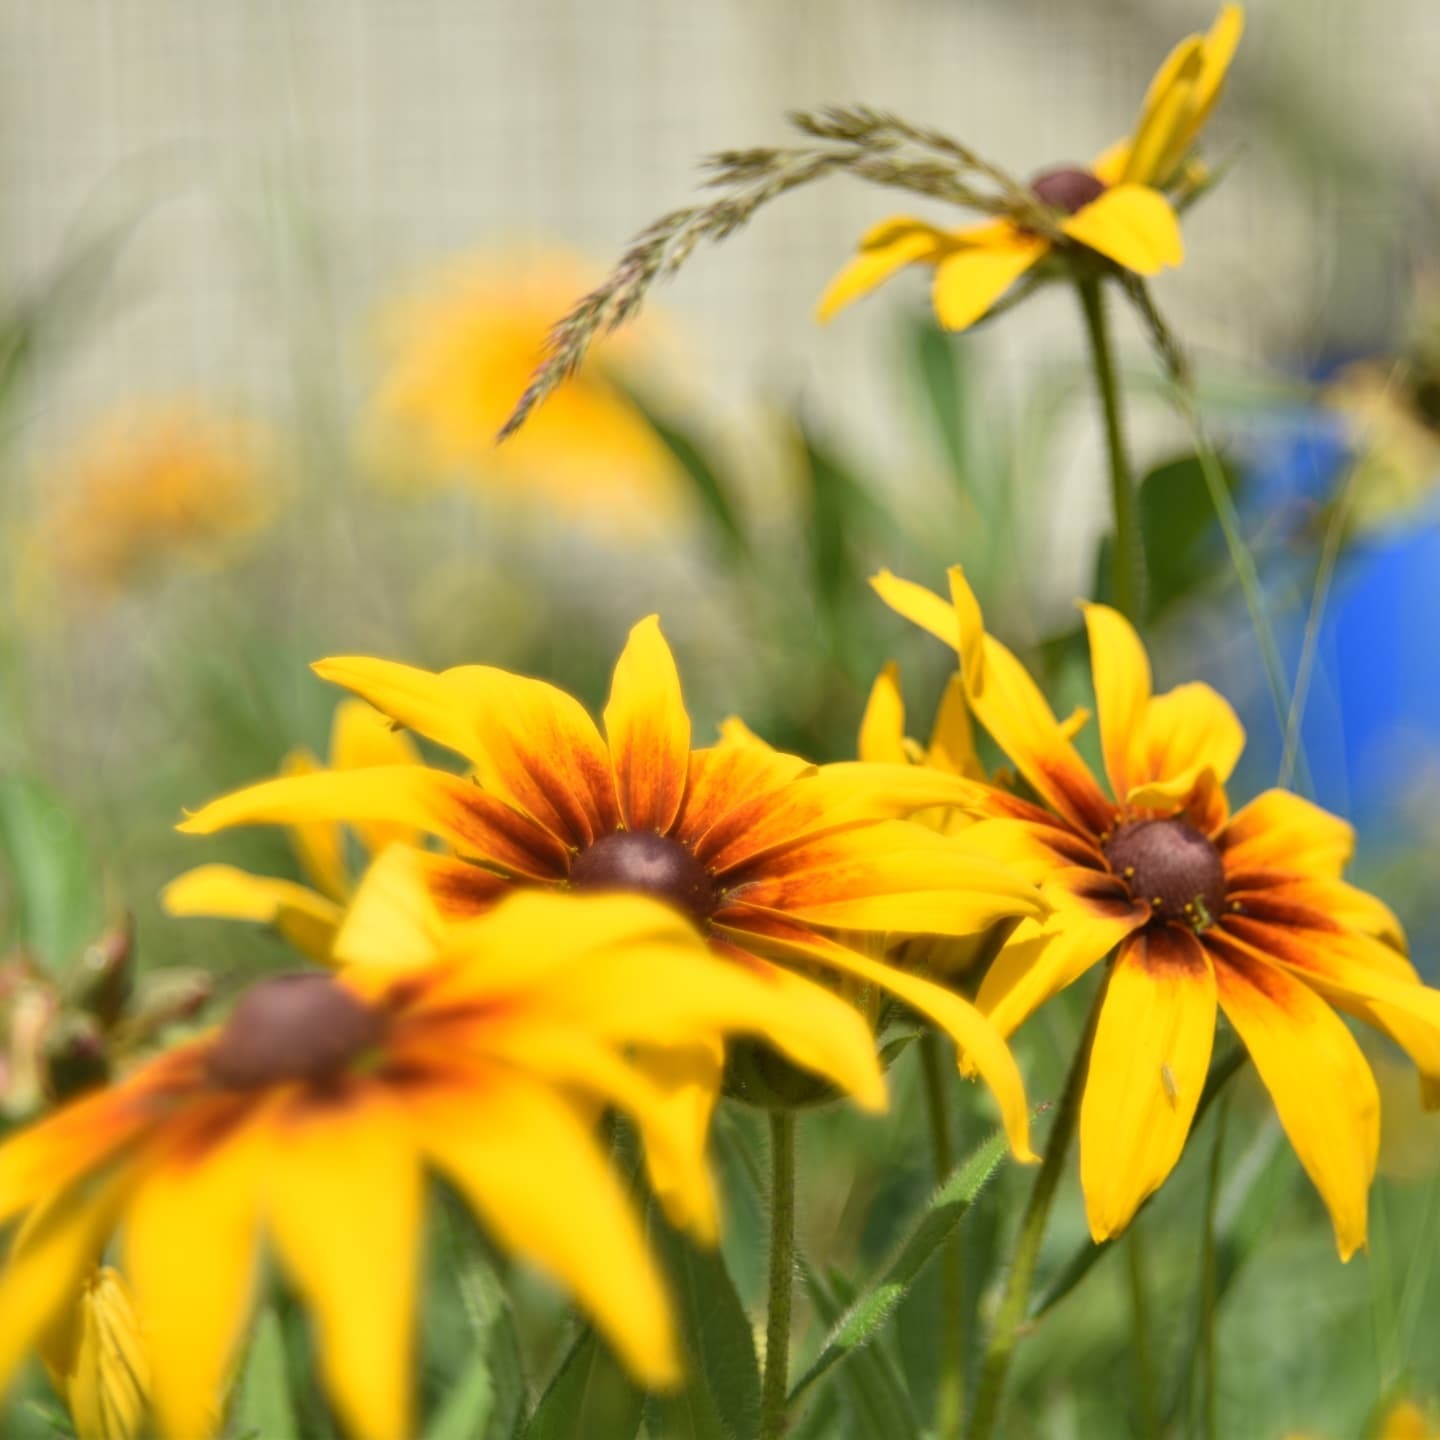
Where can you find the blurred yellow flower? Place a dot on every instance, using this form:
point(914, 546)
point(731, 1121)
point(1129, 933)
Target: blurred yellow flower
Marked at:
point(307, 915)
point(1404, 1420)
point(769, 855)
point(1118, 207)
point(96, 1361)
point(152, 486)
point(459, 354)
point(1246, 913)
point(311, 1117)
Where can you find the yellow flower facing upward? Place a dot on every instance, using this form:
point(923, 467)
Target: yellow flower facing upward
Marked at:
point(307, 915)
point(308, 1120)
point(1204, 909)
point(152, 486)
point(460, 353)
point(768, 855)
point(1118, 207)
point(96, 1361)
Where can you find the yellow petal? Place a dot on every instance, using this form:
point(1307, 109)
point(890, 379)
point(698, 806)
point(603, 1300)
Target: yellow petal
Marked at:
point(307, 919)
point(649, 731)
point(1165, 112)
point(1320, 1082)
point(1132, 225)
point(952, 741)
point(1188, 729)
point(888, 247)
point(1109, 166)
point(191, 1251)
point(1280, 831)
point(525, 1161)
point(96, 1363)
point(1147, 1070)
point(1218, 51)
point(344, 1209)
point(1122, 688)
point(971, 278)
point(319, 846)
point(361, 737)
point(882, 727)
point(920, 606)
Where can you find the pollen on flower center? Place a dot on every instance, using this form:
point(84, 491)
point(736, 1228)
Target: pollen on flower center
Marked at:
point(650, 863)
point(292, 1027)
point(1173, 866)
point(1067, 188)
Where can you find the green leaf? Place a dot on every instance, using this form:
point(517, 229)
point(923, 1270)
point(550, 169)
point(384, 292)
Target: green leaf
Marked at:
point(465, 1415)
point(56, 891)
point(722, 1399)
point(263, 1407)
point(875, 1304)
point(936, 357)
point(589, 1398)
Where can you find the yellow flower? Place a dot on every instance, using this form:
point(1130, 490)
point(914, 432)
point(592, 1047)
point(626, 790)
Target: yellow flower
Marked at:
point(769, 855)
point(1245, 911)
point(310, 1117)
point(1117, 207)
point(152, 486)
point(460, 353)
point(309, 915)
point(96, 1360)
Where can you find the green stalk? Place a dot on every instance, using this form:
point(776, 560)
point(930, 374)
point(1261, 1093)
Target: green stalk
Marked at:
point(950, 1394)
point(1140, 1329)
point(1000, 1350)
point(775, 1385)
point(1209, 1278)
point(1127, 577)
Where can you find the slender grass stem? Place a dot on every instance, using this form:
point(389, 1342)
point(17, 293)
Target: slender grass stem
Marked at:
point(1138, 1270)
point(775, 1385)
point(1127, 576)
point(1209, 1282)
point(950, 1394)
point(1005, 1336)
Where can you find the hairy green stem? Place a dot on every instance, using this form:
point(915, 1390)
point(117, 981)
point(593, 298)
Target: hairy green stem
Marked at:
point(776, 1383)
point(1127, 577)
point(950, 1394)
point(1000, 1350)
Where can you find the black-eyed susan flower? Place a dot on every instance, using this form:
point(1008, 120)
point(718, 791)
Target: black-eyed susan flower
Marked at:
point(1118, 207)
point(307, 915)
point(769, 855)
point(304, 1126)
point(458, 355)
point(152, 486)
point(96, 1362)
point(1204, 909)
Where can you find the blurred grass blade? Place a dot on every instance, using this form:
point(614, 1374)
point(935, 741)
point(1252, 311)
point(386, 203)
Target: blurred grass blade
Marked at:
point(936, 357)
point(263, 1408)
point(722, 1399)
point(589, 1398)
point(55, 888)
point(465, 1415)
point(874, 1306)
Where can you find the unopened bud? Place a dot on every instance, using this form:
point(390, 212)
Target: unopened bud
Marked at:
point(105, 977)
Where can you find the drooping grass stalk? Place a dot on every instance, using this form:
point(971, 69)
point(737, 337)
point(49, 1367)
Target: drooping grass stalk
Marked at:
point(1138, 1271)
point(950, 1394)
point(775, 1384)
point(1209, 1281)
point(1004, 1337)
point(1127, 577)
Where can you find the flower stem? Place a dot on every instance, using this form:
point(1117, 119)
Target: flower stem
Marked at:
point(1127, 578)
point(1209, 1275)
point(1000, 1350)
point(776, 1383)
point(950, 1394)
point(1140, 1320)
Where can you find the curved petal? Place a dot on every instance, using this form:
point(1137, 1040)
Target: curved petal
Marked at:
point(918, 605)
point(307, 919)
point(730, 786)
point(522, 1158)
point(1147, 1070)
point(952, 741)
point(1184, 732)
point(344, 1211)
point(319, 845)
point(1122, 689)
point(1219, 49)
point(882, 726)
point(885, 249)
point(980, 1047)
point(969, 279)
point(1280, 831)
point(1165, 111)
point(191, 1252)
point(649, 731)
point(454, 810)
point(1320, 1082)
point(361, 737)
point(1132, 225)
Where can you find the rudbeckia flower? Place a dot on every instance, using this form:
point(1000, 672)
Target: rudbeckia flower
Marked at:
point(304, 1126)
point(458, 354)
point(307, 915)
point(96, 1362)
point(1118, 207)
point(1244, 912)
point(768, 855)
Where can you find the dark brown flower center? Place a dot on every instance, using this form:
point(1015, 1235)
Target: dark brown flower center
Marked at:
point(1173, 866)
point(652, 864)
point(292, 1027)
point(1068, 188)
